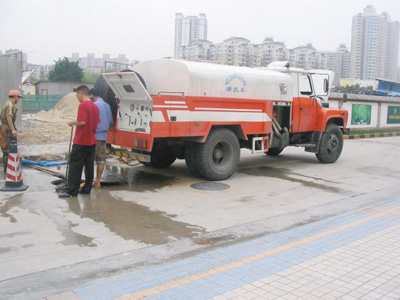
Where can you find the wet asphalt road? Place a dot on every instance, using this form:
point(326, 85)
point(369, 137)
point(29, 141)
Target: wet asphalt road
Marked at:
point(50, 245)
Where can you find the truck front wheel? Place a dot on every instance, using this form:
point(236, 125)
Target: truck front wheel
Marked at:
point(219, 156)
point(331, 144)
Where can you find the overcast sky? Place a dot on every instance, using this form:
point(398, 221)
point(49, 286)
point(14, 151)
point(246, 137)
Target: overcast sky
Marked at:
point(51, 29)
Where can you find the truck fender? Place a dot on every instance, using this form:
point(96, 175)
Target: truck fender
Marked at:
point(236, 129)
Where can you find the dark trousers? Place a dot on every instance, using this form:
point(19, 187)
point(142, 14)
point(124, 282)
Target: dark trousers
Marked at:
point(5, 161)
point(5, 139)
point(81, 156)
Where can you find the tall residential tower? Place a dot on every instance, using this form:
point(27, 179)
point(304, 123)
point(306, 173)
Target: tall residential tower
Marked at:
point(374, 46)
point(188, 29)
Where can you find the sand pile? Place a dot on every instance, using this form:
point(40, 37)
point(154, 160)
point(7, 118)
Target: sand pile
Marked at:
point(66, 108)
point(49, 127)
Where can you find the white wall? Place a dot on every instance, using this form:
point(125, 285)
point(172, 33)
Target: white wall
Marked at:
point(379, 113)
point(10, 79)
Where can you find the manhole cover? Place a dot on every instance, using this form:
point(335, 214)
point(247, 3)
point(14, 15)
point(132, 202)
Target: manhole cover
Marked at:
point(210, 186)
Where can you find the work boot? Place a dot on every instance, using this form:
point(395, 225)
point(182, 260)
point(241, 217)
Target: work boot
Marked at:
point(62, 188)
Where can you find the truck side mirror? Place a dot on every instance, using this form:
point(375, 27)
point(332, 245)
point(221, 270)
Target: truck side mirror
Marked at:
point(344, 97)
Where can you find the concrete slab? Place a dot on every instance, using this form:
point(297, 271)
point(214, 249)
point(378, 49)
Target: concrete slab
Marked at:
point(51, 245)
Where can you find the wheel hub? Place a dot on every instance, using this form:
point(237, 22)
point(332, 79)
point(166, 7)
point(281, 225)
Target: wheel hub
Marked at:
point(333, 143)
point(218, 154)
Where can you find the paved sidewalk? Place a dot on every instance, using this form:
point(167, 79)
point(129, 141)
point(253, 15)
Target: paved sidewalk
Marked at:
point(354, 255)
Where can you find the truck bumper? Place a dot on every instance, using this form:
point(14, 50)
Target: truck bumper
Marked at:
point(346, 130)
point(129, 154)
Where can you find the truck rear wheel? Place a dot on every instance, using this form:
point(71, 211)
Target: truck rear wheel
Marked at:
point(160, 161)
point(274, 151)
point(191, 158)
point(162, 156)
point(218, 157)
point(331, 144)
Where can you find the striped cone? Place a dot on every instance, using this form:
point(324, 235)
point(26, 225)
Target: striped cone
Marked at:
point(14, 180)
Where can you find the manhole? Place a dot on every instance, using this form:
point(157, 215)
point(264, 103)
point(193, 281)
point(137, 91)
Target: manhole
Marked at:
point(210, 186)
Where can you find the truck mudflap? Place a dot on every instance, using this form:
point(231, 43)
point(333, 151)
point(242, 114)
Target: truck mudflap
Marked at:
point(144, 158)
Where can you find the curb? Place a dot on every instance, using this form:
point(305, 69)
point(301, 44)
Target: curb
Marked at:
point(370, 135)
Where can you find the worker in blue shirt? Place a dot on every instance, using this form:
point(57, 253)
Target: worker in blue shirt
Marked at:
point(101, 134)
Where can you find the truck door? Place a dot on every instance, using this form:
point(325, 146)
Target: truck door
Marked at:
point(136, 105)
point(307, 105)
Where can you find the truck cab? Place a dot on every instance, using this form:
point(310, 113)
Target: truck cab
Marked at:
point(309, 115)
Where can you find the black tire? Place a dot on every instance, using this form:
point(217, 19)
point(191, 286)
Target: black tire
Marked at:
point(161, 156)
point(160, 161)
point(331, 144)
point(218, 157)
point(274, 151)
point(191, 159)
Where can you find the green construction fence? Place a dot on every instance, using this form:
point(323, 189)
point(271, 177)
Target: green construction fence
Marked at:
point(35, 103)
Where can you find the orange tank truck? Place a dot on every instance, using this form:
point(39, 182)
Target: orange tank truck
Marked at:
point(205, 113)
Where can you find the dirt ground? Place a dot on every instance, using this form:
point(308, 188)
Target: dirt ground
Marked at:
point(37, 131)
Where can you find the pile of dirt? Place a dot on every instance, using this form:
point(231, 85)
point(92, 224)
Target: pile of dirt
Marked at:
point(66, 108)
point(40, 132)
point(50, 127)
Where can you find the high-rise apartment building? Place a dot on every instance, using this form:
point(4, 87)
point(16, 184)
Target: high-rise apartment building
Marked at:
point(188, 29)
point(336, 61)
point(271, 51)
point(199, 50)
point(304, 57)
point(94, 64)
point(374, 46)
point(238, 51)
point(232, 51)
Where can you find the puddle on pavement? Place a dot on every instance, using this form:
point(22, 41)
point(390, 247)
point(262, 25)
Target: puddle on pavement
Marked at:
point(285, 174)
point(380, 171)
point(132, 221)
point(126, 219)
point(12, 202)
point(140, 181)
point(247, 199)
point(7, 249)
point(15, 234)
point(45, 208)
point(136, 180)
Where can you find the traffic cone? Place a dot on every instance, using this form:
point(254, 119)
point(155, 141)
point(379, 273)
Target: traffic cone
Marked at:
point(14, 182)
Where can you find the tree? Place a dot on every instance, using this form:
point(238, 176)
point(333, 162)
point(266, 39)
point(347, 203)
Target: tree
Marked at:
point(91, 77)
point(354, 89)
point(64, 70)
